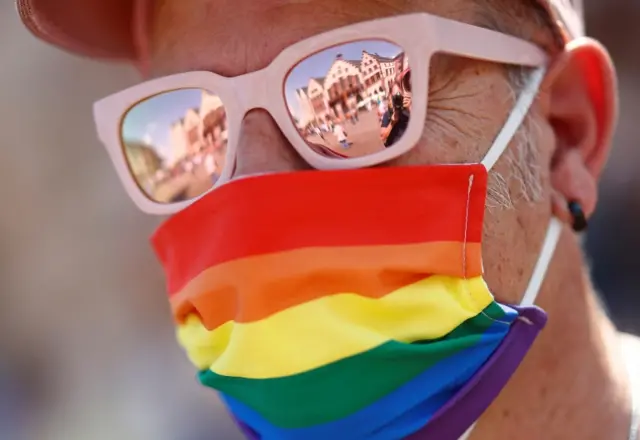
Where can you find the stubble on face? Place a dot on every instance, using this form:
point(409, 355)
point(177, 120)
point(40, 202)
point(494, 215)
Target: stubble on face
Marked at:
point(469, 102)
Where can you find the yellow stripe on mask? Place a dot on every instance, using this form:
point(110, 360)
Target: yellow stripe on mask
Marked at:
point(331, 328)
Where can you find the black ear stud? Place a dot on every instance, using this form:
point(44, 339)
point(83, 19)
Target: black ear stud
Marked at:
point(579, 220)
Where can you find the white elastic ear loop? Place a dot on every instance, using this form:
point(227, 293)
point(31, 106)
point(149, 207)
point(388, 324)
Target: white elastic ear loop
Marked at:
point(546, 254)
point(511, 126)
point(540, 270)
point(500, 144)
point(514, 121)
point(466, 435)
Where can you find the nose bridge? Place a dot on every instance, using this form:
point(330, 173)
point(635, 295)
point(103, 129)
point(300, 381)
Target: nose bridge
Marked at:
point(261, 146)
point(251, 90)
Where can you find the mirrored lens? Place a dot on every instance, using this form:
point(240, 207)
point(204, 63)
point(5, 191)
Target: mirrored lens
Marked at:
point(175, 143)
point(351, 100)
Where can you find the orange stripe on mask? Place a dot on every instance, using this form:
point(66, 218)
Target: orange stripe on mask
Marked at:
point(251, 217)
point(254, 288)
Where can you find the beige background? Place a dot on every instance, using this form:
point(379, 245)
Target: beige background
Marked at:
point(86, 339)
point(83, 311)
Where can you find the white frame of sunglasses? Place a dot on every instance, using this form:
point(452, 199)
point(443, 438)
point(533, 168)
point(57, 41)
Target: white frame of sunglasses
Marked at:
point(420, 35)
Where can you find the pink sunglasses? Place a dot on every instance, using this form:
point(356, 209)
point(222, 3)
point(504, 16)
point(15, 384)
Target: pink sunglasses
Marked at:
point(349, 98)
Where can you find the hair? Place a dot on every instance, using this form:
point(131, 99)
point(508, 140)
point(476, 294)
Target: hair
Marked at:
point(523, 19)
point(520, 18)
point(522, 155)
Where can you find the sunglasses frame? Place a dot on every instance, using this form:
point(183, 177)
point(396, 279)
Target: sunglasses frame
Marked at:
point(419, 35)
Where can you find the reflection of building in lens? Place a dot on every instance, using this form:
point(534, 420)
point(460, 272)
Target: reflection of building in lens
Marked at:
point(344, 87)
point(200, 128)
point(314, 99)
point(377, 73)
point(185, 139)
point(144, 162)
point(348, 85)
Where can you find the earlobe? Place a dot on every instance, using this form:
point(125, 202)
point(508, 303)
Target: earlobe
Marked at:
point(582, 112)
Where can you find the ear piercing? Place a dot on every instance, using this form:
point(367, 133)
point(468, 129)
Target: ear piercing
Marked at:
point(579, 219)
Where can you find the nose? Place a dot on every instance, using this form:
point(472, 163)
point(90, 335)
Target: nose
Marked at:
point(262, 148)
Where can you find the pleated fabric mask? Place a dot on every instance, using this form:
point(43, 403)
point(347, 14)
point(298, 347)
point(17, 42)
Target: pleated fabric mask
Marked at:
point(344, 304)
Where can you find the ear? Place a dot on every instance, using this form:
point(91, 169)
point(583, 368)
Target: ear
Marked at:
point(582, 112)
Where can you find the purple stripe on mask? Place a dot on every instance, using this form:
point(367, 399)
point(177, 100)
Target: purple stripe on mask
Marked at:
point(455, 417)
point(249, 433)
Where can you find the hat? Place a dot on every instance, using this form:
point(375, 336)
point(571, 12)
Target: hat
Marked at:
point(114, 29)
point(95, 28)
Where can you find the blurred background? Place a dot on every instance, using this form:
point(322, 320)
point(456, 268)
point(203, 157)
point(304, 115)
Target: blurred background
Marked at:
point(87, 346)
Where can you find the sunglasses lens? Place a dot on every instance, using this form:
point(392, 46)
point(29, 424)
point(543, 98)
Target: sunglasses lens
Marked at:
point(351, 100)
point(175, 144)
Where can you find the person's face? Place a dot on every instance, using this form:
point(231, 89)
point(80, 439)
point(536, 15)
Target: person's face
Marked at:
point(398, 66)
point(468, 104)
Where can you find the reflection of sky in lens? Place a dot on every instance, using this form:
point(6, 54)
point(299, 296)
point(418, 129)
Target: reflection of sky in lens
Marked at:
point(150, 121)
point(318, 65)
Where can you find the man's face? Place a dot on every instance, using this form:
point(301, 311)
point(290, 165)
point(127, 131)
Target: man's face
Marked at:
point(469, 102)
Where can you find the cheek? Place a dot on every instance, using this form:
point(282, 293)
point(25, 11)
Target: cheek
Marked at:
point(511, 246)
point(464, 117)
point(513, 236)
point(463, 114)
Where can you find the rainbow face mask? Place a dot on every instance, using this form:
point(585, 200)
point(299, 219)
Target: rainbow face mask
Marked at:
point(346, 304)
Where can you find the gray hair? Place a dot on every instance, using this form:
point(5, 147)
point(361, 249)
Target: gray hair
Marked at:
point(522, 155)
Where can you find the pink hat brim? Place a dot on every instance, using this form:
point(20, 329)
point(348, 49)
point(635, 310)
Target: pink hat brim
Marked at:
point(94, 28)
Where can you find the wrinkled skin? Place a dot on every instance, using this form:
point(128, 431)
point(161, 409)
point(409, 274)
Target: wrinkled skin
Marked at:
point(469, 101)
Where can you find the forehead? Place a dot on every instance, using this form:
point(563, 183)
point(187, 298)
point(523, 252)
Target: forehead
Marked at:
point(232, 37)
